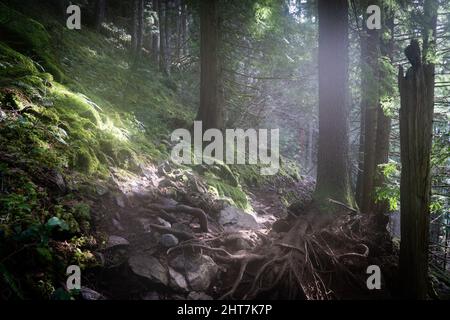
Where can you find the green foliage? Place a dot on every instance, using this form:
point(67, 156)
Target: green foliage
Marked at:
point(390, 191)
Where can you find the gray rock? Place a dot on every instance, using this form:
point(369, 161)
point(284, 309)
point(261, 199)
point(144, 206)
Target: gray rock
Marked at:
point(200, 270)
point(177, 281)
point(101, 190)
point(58, 180)
point(116, 241)
point(183, 262)
point(2, 115)
point(119, 200)
point(198, 296)
point(164, 223)
point(89, 294)
point(200, 279)
point(235, 218)
point(117, 224)
point(116, 251)
point(149, 267)
point(168, 240)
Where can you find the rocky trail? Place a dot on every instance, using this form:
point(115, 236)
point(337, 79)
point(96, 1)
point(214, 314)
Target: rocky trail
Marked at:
point(167, 237)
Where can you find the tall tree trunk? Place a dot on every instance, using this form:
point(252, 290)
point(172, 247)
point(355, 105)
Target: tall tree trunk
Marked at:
point(167, 33)
point(370, 105)
point(183, 27)
point(141, 21)
point(162, 7)
point(178, 30)
point(416, 122)
point(137, 35)
point(155, 35)
point(100, 13)
point(209, 112)
point(360, 174)
point(333, 179)
point(384, 124)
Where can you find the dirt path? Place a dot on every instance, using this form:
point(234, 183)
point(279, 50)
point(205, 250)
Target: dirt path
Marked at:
point(166, 237)
point(149, 250)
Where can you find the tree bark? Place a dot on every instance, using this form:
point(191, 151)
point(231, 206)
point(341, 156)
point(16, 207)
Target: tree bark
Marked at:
point(167, 33)
point(369, 106)
point(384, 125)
point(209, 112)
point(429, 48)
point(333, 179)
point(359, 177)
point(137, 34)
point(155, 35)
point(183, 27)
point(162, 11)
point(100, 13)
point(416, 121)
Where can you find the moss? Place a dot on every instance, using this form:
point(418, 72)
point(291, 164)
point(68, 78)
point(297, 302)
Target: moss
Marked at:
point(29, 30)
point(14, 64)
point(250, 175)
point(29, 36)
point(107, 147)
point(85, 161)
point(75, 104)
point(235, 194)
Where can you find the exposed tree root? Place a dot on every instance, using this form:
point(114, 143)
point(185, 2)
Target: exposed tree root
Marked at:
point(313, 261)
point(195, 212)
point(180, 234)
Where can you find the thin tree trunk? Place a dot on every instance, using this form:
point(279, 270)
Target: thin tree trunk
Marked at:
point(162, 6)
point(183, 27)
point(370, 105)
point(134, 25)
point(360, 174)
point(429, 49)
point(333, 179)
point(209, 112)
point(141, 25)
point(100, 13)
point(384, 127)
point(155, 35)
point(167, 33)
point(416, 122)
point(310, 146)
point(178, 30)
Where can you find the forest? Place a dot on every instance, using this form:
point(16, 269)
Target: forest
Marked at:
point(224, 150)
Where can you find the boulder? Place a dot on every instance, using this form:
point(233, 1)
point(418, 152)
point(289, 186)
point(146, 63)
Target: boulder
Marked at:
point(115, 242)
point(120, 201)
point(200, 270)
point(115, 252)
point(149, 267)
point(164, 223)
point(177, 281)
point(116, 223)
point(235, 218)
point(168, 240)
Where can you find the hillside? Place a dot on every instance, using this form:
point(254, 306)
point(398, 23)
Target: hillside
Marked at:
point(82, 124)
